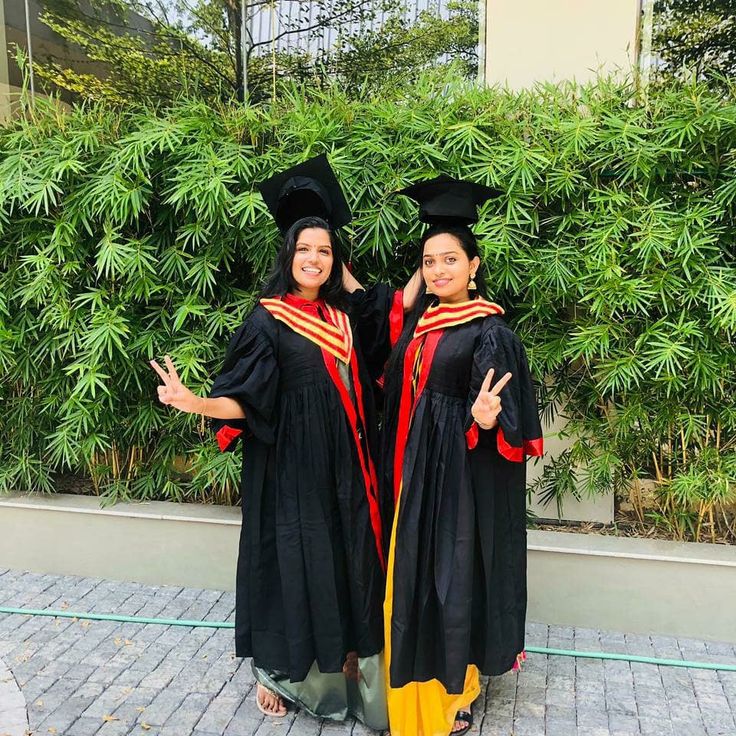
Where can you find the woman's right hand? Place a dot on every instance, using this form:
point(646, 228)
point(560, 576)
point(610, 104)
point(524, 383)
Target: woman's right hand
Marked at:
point(412, 290)
point(174, 392)
point(487, 405)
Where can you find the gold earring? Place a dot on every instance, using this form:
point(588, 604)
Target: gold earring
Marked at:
point(471, 284)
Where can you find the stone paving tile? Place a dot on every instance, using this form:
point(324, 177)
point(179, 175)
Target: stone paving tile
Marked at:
point(13, 718)
point(99, 678)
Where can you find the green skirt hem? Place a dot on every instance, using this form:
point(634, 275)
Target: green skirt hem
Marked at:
point(332, 695)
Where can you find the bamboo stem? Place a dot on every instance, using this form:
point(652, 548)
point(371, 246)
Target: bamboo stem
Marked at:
point(135, 452)
point(273, 49)
point(656, 466)
point(684, 451)
point(701, 516)
point(638, 500)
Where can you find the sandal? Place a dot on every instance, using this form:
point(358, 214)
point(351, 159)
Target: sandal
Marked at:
point(463, 715)
point(262, 708)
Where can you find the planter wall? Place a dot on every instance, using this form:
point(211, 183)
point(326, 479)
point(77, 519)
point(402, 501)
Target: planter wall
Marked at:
point(636, 585)
point(158, 543)
point(595, 581)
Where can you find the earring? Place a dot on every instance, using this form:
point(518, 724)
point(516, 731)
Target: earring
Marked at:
point(471, 284)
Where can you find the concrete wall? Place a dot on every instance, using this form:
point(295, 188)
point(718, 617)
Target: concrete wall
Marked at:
point(527, 41)
point(49, 46)
point(154, 543)
point(644, 586)
point(45, 43)
point(635, 585)
point(599, 508)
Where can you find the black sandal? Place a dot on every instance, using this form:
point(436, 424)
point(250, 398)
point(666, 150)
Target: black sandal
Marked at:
point(463, 715)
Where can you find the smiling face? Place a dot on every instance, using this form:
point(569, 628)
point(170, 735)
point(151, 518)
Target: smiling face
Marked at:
point(446, 268)
point(312, 262)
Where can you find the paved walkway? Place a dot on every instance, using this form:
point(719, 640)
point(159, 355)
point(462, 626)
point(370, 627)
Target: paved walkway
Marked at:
point(90, 678)
point(13, 716)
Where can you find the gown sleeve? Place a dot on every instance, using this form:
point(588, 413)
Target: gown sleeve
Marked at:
point(378, 313)
point(250, 376)
point(519, 432)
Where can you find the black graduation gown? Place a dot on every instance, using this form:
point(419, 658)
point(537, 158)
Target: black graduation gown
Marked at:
point(379, 315)
point(459, 574)
point(309, 581)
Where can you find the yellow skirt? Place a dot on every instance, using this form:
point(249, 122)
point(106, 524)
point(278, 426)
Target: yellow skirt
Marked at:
point(420, 708)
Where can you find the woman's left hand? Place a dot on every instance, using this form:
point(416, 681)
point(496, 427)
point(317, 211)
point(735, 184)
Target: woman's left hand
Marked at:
point(487, 406)
point(349, 282)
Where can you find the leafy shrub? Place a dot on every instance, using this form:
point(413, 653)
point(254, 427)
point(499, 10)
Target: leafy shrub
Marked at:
point(127, 235)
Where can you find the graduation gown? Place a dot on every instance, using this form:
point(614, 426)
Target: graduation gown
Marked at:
point(310, 577)
point(459, 555)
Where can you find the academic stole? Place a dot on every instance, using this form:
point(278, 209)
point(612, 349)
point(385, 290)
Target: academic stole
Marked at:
point(334, 335)
point(442, 316)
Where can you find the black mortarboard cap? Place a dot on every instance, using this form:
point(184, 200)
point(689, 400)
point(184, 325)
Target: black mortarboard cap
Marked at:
point(309, 189)
point(447, 200)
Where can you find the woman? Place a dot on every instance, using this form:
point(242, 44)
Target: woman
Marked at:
point(460, 417)
point(294, 388)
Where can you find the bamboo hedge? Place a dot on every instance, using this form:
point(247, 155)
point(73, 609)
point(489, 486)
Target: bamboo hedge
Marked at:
point(128, 234)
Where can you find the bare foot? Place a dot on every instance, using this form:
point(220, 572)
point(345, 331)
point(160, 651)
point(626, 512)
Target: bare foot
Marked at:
point(269, 703)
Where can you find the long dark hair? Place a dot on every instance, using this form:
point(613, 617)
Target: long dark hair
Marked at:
point(281, 279)
point(469, 243)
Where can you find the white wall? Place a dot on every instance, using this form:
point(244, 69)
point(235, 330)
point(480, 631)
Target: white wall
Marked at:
point(551, 40)
point(598, 508)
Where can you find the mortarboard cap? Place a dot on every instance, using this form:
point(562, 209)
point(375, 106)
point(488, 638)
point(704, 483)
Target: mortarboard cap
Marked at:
point(309, 189)
point(447, 200)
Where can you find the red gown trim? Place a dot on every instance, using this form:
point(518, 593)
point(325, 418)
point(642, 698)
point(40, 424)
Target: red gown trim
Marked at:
point(226, 435)
point(366, 463)
point(516, 454)
point(372, 488)
point(407, 404)
point(301, 303)
point(471, 436)
point(534, 447)
point(367, 468)
point(396, 317)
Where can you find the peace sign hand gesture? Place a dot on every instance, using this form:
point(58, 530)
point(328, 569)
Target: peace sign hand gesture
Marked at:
point(487, 406)
point(174, 392)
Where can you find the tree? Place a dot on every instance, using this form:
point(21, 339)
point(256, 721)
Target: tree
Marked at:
point(400, 52)
point(143, 57)
point(153, 52)
point(695, 37)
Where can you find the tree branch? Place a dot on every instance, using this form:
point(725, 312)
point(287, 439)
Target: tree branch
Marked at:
point(320, 24)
